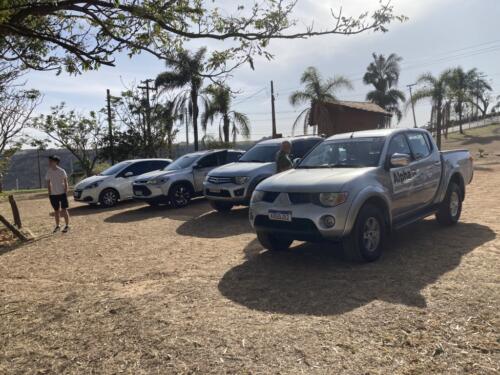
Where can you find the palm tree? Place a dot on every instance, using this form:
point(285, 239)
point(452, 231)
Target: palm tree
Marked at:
point(166, 117)
point(218, 103)
point(461, 84)
point(436, 89)
point(316, 93)
point(479, 92)
point(383, 74)
point(186, 70)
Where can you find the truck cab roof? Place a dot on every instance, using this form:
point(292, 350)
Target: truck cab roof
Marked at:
point(373, 133)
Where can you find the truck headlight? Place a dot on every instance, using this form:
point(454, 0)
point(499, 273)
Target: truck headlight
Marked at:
point(157, 181)
point(93, 185)
point(241, 180)
point(257, 196)
point(332, 199)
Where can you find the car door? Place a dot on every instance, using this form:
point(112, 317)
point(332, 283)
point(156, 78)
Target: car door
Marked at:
point(202, 167)
point(400, 177)
point(427, 166)
point(125, 178)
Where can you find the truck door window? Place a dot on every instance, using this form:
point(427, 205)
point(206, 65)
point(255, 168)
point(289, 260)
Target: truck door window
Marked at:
point(399, 145)
point(233, 156)
point(418, 145)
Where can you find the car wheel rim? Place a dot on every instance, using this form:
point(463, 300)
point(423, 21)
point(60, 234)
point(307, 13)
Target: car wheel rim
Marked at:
point(371, 234)
point(454, 203)
point(182, 196)
point(109, 198)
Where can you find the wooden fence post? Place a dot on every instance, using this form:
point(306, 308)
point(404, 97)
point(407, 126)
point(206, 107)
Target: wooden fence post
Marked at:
point(13, 229)
point(15, 212)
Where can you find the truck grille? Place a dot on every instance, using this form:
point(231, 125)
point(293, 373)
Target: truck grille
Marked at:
point(300, 198)
point(220, 180)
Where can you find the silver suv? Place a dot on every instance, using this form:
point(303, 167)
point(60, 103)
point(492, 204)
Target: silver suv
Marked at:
point(183, 179)
point(233, 184)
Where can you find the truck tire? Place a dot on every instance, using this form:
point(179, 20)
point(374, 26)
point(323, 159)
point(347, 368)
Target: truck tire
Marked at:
point(451, 207)
point(273, 243)
point(109, 198)
point(180, 195)
point(221, 206)
point(366, 240)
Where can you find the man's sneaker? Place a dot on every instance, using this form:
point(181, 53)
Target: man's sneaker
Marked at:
point(56, 229)
point(65, 229)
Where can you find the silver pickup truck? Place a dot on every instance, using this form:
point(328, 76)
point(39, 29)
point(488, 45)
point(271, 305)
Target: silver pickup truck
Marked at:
point(358, 187)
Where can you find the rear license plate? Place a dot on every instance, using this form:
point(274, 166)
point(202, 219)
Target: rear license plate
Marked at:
point(280, 215)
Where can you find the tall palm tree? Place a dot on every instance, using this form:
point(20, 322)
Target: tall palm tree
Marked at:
point(316, 93)
point(383, 74)
point(218, 103)
point(436, 89)
point(186, 71)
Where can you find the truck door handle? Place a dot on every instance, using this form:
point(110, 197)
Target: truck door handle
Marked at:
point(437, 163)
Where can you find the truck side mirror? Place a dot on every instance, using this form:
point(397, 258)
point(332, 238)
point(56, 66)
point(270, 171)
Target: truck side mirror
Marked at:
point(128, 174)
point(399, 160)
point(296, 161)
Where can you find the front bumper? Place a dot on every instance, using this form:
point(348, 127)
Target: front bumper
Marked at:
point(306, 223)
point(229, 192)
point(86, 195)
point(149, 193)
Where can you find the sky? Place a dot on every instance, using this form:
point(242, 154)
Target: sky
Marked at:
point(439, 34)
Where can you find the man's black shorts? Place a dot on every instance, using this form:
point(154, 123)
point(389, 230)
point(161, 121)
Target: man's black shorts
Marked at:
point(59, 201)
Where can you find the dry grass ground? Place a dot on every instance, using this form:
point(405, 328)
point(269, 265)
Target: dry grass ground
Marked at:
point(155, 291)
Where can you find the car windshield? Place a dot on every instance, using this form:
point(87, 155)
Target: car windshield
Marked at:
point(345, 153)
point(115, 168)
point(182, 162)
point(260, 154)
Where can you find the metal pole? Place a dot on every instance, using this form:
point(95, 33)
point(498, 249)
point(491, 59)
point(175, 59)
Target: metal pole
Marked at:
point(412, 104)
point(273, 113)
point(110, 129)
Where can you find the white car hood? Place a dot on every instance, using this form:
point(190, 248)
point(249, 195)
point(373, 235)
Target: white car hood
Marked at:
point(89, 180)
point(241, 169)
point(150, 175)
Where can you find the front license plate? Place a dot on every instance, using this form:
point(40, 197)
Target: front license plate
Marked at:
point(280, 215)
point(212, 190)
point(138, 192)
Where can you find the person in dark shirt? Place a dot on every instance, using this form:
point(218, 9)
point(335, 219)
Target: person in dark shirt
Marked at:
point(283, 161)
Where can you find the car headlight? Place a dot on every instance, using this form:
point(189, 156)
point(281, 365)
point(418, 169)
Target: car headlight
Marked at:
point(332, 199)
point(93, 185)
point(257, 196)
point(157, 181)
point(241, 180)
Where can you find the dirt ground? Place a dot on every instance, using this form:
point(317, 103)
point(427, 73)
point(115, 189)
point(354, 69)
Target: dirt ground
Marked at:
point(143, 290)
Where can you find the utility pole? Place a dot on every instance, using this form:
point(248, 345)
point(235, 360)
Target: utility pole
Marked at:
point(273, 110)
point(110, 129)
point(186, 122)
point(412, 104)
point(147, 87)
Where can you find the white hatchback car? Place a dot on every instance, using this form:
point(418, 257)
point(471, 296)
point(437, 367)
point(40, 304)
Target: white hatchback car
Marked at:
point(115, 183)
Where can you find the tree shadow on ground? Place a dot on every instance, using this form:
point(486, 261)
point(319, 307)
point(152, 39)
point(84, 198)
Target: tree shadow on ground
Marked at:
point(215, 224)
point(311, 279)
point(143, 211)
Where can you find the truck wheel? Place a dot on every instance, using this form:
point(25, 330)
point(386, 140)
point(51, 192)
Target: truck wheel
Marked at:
point(451, 207)
point(221, 206)
point(180, 195)
point(273, 243)
point(108, 198)
point(366, 241)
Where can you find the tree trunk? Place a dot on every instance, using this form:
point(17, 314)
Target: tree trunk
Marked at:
point(225, 129)
point(194, 102)
point(439, 116)
point(460, 109)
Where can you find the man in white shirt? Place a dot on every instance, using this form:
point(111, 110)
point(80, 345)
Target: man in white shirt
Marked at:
point(57, 184)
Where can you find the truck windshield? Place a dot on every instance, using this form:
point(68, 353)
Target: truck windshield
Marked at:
point(260, 154)
point(345, 153)
point(182, 162)
point(115, 168)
